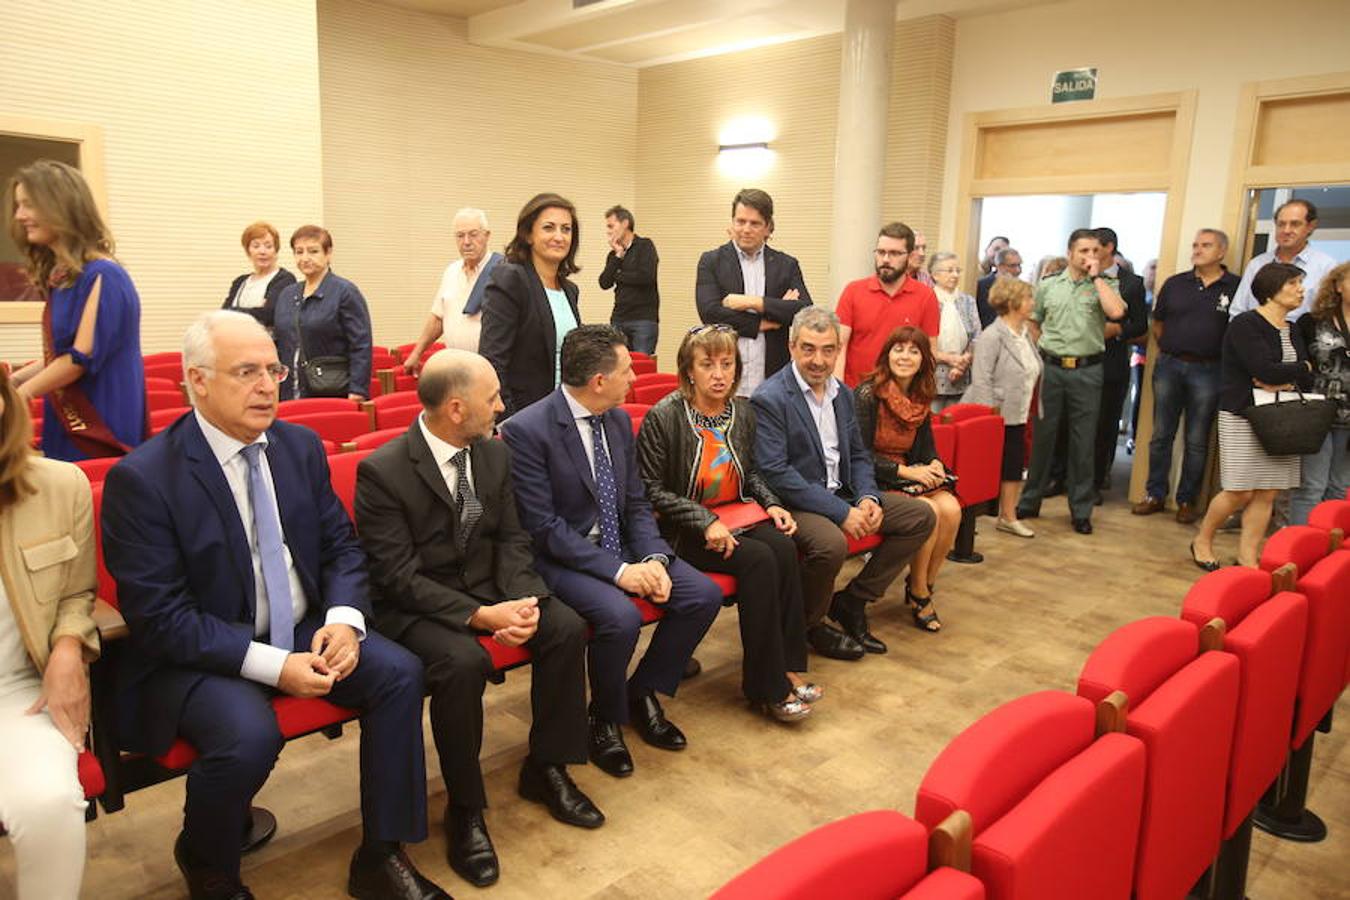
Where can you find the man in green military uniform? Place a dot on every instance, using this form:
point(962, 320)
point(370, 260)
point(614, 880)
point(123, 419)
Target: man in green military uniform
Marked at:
point(1071, 312)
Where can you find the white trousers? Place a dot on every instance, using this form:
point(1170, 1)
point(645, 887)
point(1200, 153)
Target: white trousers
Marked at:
point(41, 801)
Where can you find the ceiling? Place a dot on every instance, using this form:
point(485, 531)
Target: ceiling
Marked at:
point(651, 32)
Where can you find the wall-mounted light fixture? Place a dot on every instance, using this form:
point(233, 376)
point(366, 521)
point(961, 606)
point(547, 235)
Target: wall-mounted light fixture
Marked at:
point(743, 148)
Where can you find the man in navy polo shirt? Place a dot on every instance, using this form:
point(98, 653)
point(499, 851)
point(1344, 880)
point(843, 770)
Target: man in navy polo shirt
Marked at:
point(1189, 320)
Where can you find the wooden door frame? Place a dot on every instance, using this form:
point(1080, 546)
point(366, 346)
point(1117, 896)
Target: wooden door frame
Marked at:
point(88, 139)
point(1170, 180)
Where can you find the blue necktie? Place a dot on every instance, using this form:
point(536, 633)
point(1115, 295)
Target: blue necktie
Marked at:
point(267, 529)
point(605, 490)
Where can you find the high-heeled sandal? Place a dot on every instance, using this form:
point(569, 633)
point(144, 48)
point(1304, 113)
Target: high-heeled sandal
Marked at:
point(793, 709)
point(808, 692)
point(924, 621)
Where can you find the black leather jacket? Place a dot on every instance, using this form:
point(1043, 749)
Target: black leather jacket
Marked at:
point(668, 450)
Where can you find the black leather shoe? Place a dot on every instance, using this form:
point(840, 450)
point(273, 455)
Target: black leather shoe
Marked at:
point(469, 848)
point(832, 643)
point(649, 720)
point(691, 668)
point(607, 749)
point(388, 875)
point(553, 787)
point(1053, 488)
point(206, 883)
point(1082, 526)
point(851, 614)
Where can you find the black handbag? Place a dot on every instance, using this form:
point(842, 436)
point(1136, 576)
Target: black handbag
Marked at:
point(1291, 427)
point(322, 376)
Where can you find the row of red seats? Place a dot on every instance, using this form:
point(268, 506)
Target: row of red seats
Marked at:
point(1069, 795)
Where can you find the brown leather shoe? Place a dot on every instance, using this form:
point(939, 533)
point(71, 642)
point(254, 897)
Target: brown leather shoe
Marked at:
point(1186, 514)
point(1148, 506)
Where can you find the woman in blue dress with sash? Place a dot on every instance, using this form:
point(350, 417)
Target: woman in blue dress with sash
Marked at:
point(91, 374)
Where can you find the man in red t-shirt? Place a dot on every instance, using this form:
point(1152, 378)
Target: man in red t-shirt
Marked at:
point(869, 309)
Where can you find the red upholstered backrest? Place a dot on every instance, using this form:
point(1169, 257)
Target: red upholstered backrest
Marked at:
point(91, 775)
point(163, 399)
point(107, 586)
point(1228, 594)
point(979, 458)
point(1301, 545)
point(397, 416)
point(166, 357)
point(288, 409)
point(1074, 835)
point(1137, 658)
point(1331, 514)
point(1327, 587)
point(993, 764)
point(171, 369)
point(959, 412)
point(643, 365)
point(944, 437)
point(870, 856)
point(946, 884)
point(376, 438)
point(96, 469)
point(650, 393)
point(163, 418)
point(164, 384)
point(336, 426)
point(342, 475)
point(637, 412)
point(404, 382)
point(398, 398)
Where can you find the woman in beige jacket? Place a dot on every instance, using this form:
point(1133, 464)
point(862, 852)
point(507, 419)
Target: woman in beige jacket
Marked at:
point(47, 640)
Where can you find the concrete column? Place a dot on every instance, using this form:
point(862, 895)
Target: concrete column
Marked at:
point(860, 141)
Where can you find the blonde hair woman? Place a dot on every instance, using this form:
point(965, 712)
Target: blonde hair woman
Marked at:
point(91, 373)
point(47, 639)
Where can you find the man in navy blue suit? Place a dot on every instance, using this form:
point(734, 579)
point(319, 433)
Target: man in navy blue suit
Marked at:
point(810, 449)
point(240, 579)
point(596, 543)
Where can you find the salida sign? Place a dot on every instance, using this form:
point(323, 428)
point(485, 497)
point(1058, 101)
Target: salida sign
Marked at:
point(1074, 84)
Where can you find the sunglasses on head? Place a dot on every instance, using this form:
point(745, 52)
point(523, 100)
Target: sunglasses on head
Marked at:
point(719, 326)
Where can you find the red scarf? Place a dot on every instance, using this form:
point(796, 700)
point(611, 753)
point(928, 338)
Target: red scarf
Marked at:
point(898, 419)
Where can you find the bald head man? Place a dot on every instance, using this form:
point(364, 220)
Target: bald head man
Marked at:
point(461, 396)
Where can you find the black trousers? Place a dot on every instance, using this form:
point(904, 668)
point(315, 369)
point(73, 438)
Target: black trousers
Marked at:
point(769, 594)
point(457, 670)
point(1114, 392)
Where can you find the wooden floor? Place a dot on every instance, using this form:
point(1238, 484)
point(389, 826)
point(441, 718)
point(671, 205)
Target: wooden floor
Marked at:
point(686, 822)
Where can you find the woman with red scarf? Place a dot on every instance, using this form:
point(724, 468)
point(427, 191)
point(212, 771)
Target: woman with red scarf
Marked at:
point(91, 373)
point(896, 422)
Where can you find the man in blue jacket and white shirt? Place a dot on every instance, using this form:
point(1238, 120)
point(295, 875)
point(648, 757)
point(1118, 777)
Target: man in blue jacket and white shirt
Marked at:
point(809, 448)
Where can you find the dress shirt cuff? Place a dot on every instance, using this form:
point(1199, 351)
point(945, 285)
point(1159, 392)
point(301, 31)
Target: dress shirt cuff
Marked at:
point(263, 663)
point(347, 615)
point(658, 557)
point(619, 574)
point(873, 497)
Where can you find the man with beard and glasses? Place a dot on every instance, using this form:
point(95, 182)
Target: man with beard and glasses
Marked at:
point(869, 309)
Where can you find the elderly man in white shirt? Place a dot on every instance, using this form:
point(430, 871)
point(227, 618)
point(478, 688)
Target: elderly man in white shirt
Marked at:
point(1295, 222)
point(457, 310)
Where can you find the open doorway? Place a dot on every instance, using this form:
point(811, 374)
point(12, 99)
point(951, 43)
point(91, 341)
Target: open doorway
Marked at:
point(1333, 218)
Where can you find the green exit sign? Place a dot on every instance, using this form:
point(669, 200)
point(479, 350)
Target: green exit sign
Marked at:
point(1074, 84)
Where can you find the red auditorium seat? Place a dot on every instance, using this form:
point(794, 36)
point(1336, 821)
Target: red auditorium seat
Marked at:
point(171, 399)
point(163, 418)
point(286, 409)
point(397, 416)
point(170, 370)
point(1325, 581)
point(977, 464)
point(1265, 632)
point(1331, 515)
point(643, 365)
point(403, 383)
point(173, 357)
point(373, 440)
point(944, 439)
point(399, 398)
point(637, 412)
point(97, 469)
point(337, 425)
point(652, 387)
point(1182, 705)
point(959, 412)
point(342, 475)
point(165, 384)
point(870, 856)
point(1055, 813)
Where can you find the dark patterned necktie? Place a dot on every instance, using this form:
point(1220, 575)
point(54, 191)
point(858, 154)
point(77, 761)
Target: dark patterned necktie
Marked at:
point(470, 510)
point(605, 490)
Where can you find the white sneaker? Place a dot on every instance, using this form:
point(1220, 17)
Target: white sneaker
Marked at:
point(1014, 526)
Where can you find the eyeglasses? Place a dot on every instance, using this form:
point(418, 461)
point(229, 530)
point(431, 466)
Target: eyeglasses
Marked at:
point(468, 235)
point(715, 326)
point(250, 373)
point(891, 254)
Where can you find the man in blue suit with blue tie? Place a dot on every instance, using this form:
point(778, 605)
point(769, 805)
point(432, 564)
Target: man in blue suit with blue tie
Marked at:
point(596, 543)
point(240, 578)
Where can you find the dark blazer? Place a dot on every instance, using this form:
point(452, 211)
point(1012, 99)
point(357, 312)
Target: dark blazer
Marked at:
point(669, 451)
point(986, 312)
point(173, 539)
point(267, 312)
point(336, 322)
point(923, 451)
point(1116, 365)
point(1251, 349)
point(719, 274)
point(790, 455)
point(555, 489)
point(636, 297)
point(518, 336)
point(408, 522)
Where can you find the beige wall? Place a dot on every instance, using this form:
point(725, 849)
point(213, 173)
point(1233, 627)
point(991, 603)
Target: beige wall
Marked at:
point(418, 123)
point(1006, 60)
point(684, 201)
point(202, 135)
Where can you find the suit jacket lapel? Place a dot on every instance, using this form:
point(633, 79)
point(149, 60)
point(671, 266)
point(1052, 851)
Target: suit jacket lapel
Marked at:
point(732, 262)
point(798, 402)
point(571, 440)
point(211, 476)
point(772, 259)
point(424, 463)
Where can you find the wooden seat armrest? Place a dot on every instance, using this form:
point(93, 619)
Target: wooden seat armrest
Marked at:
point(949, 843)
point(1211, 636)
point(109, 622)
point(1284, 578)
point(1111, 713)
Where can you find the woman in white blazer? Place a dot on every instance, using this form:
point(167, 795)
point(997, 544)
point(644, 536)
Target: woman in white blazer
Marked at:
point(1004, 375)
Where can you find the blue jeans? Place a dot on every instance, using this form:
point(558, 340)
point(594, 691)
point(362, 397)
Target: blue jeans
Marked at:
point(1326, 476)
point(1192, 387)
point(641, 334)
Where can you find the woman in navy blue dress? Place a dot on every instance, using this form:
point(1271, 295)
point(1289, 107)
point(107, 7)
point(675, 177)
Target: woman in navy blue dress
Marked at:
point(91, 374)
